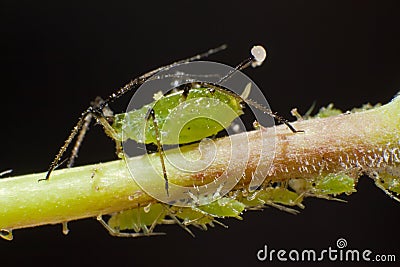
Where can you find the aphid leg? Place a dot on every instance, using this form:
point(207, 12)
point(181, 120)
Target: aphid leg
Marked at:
point(220, 223)
point(185, 91)
point(286, 122)
point(153, 225)
point(379, 183)
point(389, 193)
point(79, 139)
point(172, 215)
point(83, 120)
point(85, 127)
point(322, 196)
point(273, 114)
point(195, 221)
point(281, 207)
point(109, 130)
point(132, 85)
point(299, 199)
point(117, 233)
point(67, 142)
point(258, 106)
point(151, 114)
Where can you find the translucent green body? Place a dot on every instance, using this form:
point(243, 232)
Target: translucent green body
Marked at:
point(203, 113)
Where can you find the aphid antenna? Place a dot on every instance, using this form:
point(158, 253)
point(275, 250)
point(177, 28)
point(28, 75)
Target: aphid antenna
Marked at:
point(258, 56)
point(137, 82)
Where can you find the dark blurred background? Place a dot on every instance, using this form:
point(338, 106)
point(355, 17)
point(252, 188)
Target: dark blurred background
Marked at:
point(56, 57)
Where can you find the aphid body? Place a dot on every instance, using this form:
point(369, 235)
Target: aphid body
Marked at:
point(206, 102)
point(325, 186)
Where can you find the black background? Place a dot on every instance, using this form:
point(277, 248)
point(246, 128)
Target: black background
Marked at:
point(56, 57)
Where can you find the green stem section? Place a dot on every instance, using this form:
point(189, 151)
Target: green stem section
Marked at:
point(360, 142)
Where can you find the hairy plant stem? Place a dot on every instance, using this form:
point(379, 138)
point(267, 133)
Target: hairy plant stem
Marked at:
point(359, 142)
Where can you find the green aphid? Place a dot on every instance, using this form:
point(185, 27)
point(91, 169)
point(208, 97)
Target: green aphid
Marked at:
point(223, 207)
point(144, 219)
point(324, 186)
point(216, 106)
point(195, 217)
point(365, 107)
point(273, 196)
point(328, 112)
point(141, 220)
point(335, 184)
point(205, 215)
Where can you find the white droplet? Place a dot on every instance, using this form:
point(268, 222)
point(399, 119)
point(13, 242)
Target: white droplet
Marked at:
point(6, 234)
point(158, 95)
point(236, 128)
point(259, 55)
point(147, 208)
point(135, 195)
point(65, 229)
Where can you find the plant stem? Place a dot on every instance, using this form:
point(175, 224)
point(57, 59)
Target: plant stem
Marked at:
point(360, 142)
